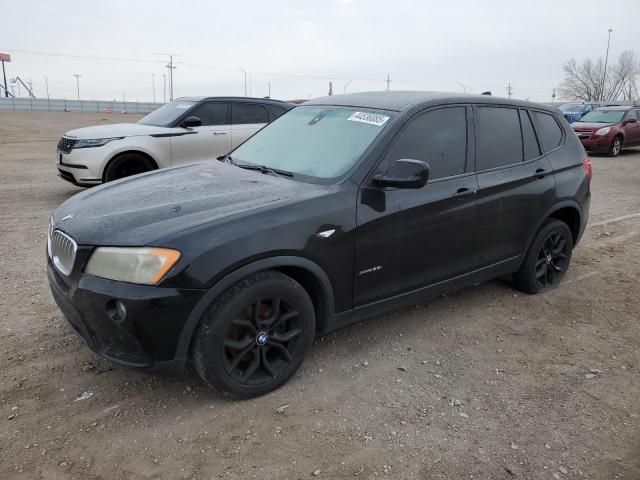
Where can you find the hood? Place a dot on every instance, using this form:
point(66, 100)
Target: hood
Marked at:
point(591, 126)
point(115, 130)
point(140, 210)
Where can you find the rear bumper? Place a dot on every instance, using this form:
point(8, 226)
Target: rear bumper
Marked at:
point(144, 338)
point(585, 217)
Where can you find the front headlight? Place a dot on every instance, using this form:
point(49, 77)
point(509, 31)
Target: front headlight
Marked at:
point(603, 131)
point(94, 142)
point(145, 265)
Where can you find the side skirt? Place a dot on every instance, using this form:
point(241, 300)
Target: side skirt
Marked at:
point(422, 294)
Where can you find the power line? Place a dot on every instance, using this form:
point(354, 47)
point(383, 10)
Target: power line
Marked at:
point(269, 73)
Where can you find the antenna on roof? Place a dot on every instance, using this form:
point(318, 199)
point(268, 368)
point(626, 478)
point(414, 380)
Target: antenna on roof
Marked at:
point(486, 93)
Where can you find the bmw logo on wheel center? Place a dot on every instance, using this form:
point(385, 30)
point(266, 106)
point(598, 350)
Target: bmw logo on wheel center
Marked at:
point(262, 338)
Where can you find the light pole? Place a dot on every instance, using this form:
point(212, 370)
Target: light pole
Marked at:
point(269, 86)
point(153, 82)
point(245, 80)
point(464, 87)
point(606, 59)
point(344, 89)
point(77, 83)
point(164, 88)
point(46, 82)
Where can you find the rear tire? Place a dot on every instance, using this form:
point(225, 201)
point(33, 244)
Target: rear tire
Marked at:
point(616, 147)
point(254, 337)
point(126, 165)
point(547, 260)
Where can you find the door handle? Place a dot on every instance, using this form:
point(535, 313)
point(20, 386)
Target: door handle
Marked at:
point(540, 173)
point(464, 192)
point(219, 133)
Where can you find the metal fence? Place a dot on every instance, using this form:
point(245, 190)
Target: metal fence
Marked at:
point(63, 105)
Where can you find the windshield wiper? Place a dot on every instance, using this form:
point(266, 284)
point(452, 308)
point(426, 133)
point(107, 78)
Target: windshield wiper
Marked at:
point(264, 169)
point(252, 166)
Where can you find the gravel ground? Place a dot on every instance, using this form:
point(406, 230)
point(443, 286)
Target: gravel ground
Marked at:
point(485, 383)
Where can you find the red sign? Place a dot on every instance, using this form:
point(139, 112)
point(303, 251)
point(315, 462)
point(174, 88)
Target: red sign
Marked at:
point(5, 57)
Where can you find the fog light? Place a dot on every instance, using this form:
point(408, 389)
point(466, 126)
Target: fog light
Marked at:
point(116, 310)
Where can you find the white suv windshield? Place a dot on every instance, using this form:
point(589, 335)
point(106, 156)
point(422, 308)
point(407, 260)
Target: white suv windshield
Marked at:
point(166, 114)
point(316, 141)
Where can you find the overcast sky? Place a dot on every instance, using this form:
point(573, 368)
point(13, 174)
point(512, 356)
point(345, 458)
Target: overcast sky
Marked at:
point(298, 46)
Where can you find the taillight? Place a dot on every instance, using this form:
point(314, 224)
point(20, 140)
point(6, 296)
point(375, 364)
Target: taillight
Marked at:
point(586, 166)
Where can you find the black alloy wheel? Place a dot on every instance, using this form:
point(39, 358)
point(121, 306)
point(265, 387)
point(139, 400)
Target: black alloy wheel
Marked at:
point(552, 261)
point(254, 337)
point(262, 341)
point(547, 259)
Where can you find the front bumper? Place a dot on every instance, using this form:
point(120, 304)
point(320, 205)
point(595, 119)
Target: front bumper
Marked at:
point(596, 144)
point(146, 338)
point(82, 167)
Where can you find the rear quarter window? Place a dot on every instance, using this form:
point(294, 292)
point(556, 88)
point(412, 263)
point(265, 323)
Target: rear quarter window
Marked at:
point(549, 131)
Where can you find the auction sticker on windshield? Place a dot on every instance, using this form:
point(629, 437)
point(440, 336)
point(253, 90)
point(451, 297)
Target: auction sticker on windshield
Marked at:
point(370, 118)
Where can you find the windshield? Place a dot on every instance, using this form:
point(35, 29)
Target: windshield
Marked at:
point(315, 141)
point(166, 114)
point(603, 116)
point(571, 107)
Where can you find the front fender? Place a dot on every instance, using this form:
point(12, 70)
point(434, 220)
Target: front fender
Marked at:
point(184, 342)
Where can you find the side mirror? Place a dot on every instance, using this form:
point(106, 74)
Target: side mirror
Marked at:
point(190, 122)
point(404, 173)
point(632, 120)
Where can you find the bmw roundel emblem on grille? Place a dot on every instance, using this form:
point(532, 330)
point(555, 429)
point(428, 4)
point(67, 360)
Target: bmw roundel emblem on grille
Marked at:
point(262, 338)
point(67, 217)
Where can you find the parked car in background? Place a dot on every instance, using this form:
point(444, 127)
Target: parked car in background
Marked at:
point(346, 207)
point(186, 130)
point(574, 111)
point(609, 129)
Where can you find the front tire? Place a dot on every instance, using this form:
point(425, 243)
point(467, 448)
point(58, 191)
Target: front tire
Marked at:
point(126, 165)
point(616, 147)
point(547, 260)
point(254, 337)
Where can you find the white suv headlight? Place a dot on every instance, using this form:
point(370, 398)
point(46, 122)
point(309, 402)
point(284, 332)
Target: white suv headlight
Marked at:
point(94, 142)
point(144, 265)
point(603, 131)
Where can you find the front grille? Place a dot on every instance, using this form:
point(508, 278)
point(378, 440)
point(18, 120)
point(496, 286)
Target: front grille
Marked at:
point(63, 251)
point(65, 145)
point(584, 134)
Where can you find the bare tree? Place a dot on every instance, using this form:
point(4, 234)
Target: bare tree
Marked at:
point(585, 81)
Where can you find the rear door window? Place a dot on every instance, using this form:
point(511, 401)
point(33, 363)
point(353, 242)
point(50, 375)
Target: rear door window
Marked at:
point(498, 137)
point(437, 137)
point(531, 147)
point(548, 130)
point(633, 114)
point(244, 113)
point(212, 113)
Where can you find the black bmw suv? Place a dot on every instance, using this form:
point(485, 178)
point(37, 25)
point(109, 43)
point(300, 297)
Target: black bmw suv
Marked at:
point(343, 208)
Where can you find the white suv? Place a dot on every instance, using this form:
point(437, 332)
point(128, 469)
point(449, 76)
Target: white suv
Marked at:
point(186, 130)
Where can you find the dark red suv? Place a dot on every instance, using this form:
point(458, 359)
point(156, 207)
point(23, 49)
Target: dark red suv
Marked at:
point(609, 129)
